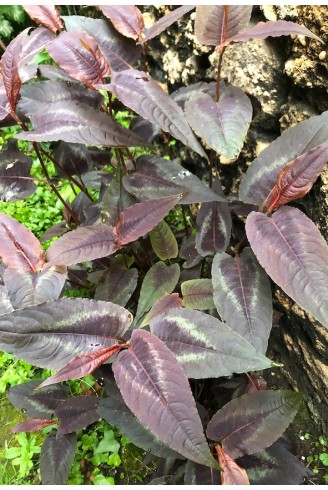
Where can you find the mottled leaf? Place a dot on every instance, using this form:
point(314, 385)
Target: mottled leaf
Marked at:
point(262, 174)
point(253, 421)
point(57, 456)
point(127, 19)
point(76, 413)
point(51, 334)
point(164, 22)
point(222, 125)
point(215, 23)
point(198, 294)
point(232, 474)
point(32, 425)
point(138, 91)
point(5, 304)
point(19, 248)
point(291, 249)
point(79, 55)
point(242, 296)
point(140, 218)
point(47, 15)
point(160, 279)
point(157, 391)
point(4, 104)
point(163, 241)
point(163, 304)
point(204, 346)
point(117, 285)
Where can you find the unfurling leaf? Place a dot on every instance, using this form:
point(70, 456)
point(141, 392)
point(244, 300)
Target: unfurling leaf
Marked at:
point(198, 294)
point(57, 456)
point(162, 305)
point(32, 425)
point(298, 265)
point(46, 15)
point(163, 241)
point(127, 19)
point(232, 474)
point(156, 390)
point(164, 22)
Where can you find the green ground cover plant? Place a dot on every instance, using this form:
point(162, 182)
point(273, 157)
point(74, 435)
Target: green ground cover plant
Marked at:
point(173, 295)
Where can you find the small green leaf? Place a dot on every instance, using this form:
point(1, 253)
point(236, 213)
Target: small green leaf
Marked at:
point(163, 241)
point(114, 460)
point(198, 294)
point(12, 452)
point(108, 444)
point(102, 480)
point(324, 458)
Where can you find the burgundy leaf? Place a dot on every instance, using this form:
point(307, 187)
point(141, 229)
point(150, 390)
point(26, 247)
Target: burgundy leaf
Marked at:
point(164, 22)
point(163, 241)
point(204, 346)
point(196, 474)
point(120, 51)
point(19, 248)
point(56, 230)
point(51, 72)
point(232, 474)
point(51, 334)
point(157, 391)
point(33, 44)
point(57, 456)
point(255, 383)
point(222, 125)
point(46, 15)
point(117, 284)
point(5, 304)
point(140, 218)
point(144, 129)
point(74, 158)
point(162, 305)
point(291, 249)
point(242, 296)
point(137, 90)
point(4, 104)
point(261, 176)
point(262, 30)
point(32, 425)
point(253, 421)
point(127, 19)
point(79, 55)
point(215, 23)
point(189, 252)
point(116, 199)
point(183, 94)
point(198, 294)
point(298, 176)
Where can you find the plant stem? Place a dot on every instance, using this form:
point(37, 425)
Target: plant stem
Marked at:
point(218, 78)
point(185, 222)
point(239, 244)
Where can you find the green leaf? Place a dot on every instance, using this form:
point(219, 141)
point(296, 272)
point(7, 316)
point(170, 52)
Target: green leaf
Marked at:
point(198, 294)
point(12, 452)
point(324, 458)
point(102, 480)
point(5, 27)
point(163, 241)
point(114, 460)
point(108, 444)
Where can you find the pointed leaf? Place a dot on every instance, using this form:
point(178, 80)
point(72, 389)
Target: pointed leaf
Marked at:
point(292, 251)
point(163, 241)
point(127, 19)
point(232, 474)
point(262, 30)
point(26, 288)
point(198, 294)
point(83, 244)
point(253, 421)
point(140, 218)
point(19, 248)
point(51, 334)
point(57, 456)
point(298, 176)
point(39, 404)
point(214, 23)
point(79, 55)
point(116, 199)
point(119, 51)
point(222, 125)
point(162, 305)
point(164, 22)
point(262, 174)
point(204, 346)
point(5, 304)
point(189, 252)
point(137, 90)
point(161, 397)
point(32, 425)
point(183, 94)
point(117, 285)
point(33, 44)
point(76, 413)
point(160, 279)
point(47, 15)
point(242, 296)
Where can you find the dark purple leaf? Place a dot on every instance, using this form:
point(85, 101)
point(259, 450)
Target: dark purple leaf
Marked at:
point(56, 230)
point(262, 30)
point(32, 425)
point(191, 273)
point(120, 51)
point(57, 456)
point(253, 421)
point(46, 15)
point(51, 334)
point(156, 177)
point(26, 288)
point(75, 159)
point(291, 249)
point(242, 296)
point(204, 346)
point(137, 90)
point(196, 474)
point(297, 177)
point(83, 244)
point(117, 285)
point(262, 174)
point(140, 218)
point(5, 304)
point(19, 248)
point(34, 43)
point(14, 167)
point(239, 207)
point(162, 305)
point(160, 279)
point(222, 125)
point(157, 391)
point(41, 403)
point(183, 94)
point(52, 72)
point(163, 241)
point(79, 55)
point(143, 128)
point(76, 413)
point(232, 474)
point(189, 252)
point(127, 19)
point(215, 23)
point(4, 104)
point(255, 383)
point(164, 22)
point(198, 294)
